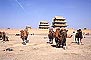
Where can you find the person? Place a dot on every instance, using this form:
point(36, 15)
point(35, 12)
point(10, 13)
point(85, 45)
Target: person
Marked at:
point(80, 35)
point(77, 37)
point(74, 37)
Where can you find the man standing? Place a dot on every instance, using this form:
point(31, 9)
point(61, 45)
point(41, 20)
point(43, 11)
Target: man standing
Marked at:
point(80, 35)
point(74, 37)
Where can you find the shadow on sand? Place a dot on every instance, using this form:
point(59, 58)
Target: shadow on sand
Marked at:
point(53, 45)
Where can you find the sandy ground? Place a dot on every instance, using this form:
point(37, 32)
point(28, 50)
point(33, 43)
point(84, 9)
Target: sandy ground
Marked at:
point(38, 49)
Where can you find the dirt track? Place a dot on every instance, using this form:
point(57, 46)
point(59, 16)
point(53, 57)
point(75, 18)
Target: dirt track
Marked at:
point(38, 49)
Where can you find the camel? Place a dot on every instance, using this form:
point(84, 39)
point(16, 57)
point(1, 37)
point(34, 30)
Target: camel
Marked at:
point(24, 36)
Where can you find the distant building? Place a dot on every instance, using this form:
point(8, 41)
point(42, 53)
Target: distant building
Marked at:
point(28, 27)
point(43, 25)
point(59, 21)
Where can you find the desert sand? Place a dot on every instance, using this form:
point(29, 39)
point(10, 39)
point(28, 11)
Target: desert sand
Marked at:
point(39, 49)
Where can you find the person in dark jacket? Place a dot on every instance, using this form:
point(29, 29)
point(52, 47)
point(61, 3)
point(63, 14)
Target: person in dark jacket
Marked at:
point(79, 36)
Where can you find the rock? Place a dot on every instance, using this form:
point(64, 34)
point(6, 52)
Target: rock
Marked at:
point(9, 49)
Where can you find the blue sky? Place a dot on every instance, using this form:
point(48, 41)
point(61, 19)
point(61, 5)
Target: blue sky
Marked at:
point(19, 13)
